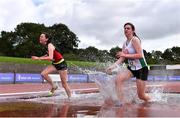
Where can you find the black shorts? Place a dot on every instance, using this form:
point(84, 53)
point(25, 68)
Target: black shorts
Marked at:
point(141, 73)
point(60, 66)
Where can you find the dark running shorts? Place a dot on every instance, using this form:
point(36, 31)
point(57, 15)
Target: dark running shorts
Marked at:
point(140, 74)
point(61, 66)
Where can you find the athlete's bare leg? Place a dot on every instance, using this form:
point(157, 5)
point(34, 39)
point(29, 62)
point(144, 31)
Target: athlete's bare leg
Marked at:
point(141, 90)
point(64, 76)
point(44, 74)
point(121, 77)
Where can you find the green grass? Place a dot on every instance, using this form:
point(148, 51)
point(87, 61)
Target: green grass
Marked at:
point(21, 60)
point(30, 61)
point(82, 63)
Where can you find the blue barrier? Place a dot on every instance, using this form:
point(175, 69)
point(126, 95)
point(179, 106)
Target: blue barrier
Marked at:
point(150, 78)
point(28, 78)
point(99, 76)
point(7, 78)
point(36, 78)
point(174, 78)
point(77, 78)
point(160, 78)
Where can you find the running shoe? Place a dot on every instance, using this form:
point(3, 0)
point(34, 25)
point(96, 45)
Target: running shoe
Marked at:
point(51, 92)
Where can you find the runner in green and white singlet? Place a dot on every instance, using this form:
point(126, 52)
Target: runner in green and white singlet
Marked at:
point(137, 66)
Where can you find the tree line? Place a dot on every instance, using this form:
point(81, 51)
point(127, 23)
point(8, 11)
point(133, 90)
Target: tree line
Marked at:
point(23, 42)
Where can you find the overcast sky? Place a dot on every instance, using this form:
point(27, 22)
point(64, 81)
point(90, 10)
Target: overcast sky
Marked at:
point(99, 23)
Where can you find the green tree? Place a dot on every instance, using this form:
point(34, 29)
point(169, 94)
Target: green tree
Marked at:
point(63, 38)
point(168, 56)
point(23, 42)
point(157, 57)
point(93, 54)
point(104, 56)
point(90, 54)
point(26, 41)
point(176, 54)
point(114, 50)
point(148, 57)
point(6, 44)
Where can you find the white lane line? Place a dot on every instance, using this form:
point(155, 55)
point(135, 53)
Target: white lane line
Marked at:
point(25, 93)
point(85, 89)
point(150, 86)
point(22, 93)
point(155, 85)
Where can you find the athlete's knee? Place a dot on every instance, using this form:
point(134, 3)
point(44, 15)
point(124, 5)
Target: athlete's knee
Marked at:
point(118, 81)
point(142, 96)
point(64, 84)
point(44, 74)
point(120, 78)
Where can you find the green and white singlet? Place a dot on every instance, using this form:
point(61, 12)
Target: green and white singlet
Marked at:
point(134, 64)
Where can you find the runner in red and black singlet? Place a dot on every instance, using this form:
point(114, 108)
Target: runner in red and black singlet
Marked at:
point(58, 64)
point(58, 61)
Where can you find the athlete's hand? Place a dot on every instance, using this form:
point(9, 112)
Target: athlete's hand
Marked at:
point(118, 54)
point(121, 54)
point(34, 57)
point(109, 70)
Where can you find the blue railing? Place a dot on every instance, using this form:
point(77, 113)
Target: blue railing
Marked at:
point(82, 78)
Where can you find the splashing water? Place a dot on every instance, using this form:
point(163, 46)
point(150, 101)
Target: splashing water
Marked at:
point(107, 87)
point(158, 94)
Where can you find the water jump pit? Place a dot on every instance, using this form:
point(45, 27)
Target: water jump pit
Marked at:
point(98, 101)
point(92, 104)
